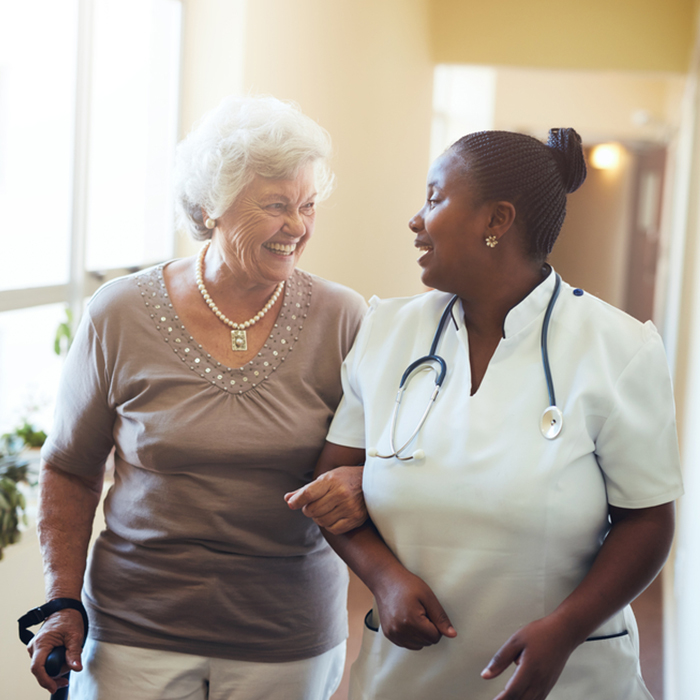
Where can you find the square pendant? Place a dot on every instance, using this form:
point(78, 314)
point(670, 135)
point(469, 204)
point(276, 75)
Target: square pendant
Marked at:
point(239, 341)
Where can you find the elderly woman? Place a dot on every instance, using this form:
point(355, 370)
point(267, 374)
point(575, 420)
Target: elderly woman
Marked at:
point(509, 534)
point(215, 379)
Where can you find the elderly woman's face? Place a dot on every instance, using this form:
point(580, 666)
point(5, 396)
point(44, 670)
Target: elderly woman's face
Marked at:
point(264, 232)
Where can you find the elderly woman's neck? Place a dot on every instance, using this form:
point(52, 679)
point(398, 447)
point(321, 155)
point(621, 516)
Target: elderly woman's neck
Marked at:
point(227, 275)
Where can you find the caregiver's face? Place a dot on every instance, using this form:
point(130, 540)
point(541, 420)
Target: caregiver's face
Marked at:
point(451, 227)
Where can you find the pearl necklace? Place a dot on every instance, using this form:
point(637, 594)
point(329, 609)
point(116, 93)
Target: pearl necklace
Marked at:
point(239, 338)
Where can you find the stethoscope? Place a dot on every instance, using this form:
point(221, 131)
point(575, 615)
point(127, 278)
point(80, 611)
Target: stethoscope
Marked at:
point(552, 418)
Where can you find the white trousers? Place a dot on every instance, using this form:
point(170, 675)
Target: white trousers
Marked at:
point(117, 672)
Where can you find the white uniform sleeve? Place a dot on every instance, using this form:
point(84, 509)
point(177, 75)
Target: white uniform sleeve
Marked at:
point(637, 448)
point(348, 426)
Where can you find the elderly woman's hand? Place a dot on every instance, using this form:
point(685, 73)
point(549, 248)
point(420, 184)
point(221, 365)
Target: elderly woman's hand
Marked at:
point(64, 628)
point(334, 500)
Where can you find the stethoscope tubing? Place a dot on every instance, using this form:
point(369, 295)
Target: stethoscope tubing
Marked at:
point(397, 403)
point(431, 357)
point(543, 341)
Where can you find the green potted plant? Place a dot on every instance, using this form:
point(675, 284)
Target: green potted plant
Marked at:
point(14, 469)
point(28, 434)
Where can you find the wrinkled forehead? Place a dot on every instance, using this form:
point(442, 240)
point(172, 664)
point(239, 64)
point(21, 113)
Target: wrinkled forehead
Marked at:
point(301, 183)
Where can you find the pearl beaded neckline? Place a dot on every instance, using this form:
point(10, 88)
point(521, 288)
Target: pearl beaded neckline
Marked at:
point(239, 337)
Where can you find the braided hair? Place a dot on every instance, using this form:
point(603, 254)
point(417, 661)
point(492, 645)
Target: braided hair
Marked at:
point(534, 177)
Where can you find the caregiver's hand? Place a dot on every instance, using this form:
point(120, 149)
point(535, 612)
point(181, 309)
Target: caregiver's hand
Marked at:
point(540, 650)
point(410, 614)
point(334, 500)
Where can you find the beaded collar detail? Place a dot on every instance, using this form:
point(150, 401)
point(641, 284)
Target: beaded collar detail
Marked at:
point(235, 380)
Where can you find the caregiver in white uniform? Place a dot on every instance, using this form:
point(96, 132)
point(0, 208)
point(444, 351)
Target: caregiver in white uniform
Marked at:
point(509, 560)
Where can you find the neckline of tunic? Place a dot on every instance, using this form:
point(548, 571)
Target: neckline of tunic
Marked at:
point(528, 309)
point(519, 318)
point(235, 380)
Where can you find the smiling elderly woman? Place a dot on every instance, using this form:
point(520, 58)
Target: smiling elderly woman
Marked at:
point(215, 378)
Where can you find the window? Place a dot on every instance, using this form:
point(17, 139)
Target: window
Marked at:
point(37, 104)
point(464, 100)
point(88, 124)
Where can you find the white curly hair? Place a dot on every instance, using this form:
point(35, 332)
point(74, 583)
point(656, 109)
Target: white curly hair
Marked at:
point(241, 138)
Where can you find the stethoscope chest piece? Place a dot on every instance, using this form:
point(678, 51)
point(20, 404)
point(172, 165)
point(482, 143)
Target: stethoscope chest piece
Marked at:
point(551, 422)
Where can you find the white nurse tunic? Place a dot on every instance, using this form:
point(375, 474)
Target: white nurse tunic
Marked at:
point(501, 523)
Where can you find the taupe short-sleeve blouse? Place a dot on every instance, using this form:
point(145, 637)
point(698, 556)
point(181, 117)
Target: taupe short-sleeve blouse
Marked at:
point(201, 554)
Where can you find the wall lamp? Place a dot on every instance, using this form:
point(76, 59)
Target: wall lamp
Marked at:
point(605, 156)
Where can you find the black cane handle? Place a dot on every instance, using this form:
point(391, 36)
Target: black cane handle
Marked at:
point(54, 661)
point(53, 665)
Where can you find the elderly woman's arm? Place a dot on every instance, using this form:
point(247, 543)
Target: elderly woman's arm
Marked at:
point(632, 555)
point(409, 612)
point(334, 500)
point(67, 505)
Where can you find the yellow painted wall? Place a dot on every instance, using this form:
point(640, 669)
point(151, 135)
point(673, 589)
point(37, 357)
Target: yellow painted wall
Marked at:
point(213, 52)
point(579, 34)
point(21, 589)
point(363, 70)
point(601, 106)
point(591, 251)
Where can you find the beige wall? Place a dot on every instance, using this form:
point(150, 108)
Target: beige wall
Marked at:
point(213, 49)
point(600, 105)
point(21, 589)
point(581, 34)
point(591, 251)
point(363, 70)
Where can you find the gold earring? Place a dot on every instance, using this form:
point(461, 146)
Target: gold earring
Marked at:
point(491, 241)
point(210, 223)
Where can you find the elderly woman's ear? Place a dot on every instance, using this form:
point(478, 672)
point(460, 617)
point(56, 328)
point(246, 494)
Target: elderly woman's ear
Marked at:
point(208, 222)
point(502, 219)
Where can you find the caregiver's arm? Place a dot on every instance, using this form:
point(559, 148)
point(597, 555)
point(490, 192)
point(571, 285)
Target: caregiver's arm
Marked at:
point(410, 615)
point(632, 555)
point(67, 505)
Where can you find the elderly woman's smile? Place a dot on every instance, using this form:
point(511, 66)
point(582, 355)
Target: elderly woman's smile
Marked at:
point(280, 248)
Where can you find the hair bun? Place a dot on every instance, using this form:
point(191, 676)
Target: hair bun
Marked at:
point(566, 144)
